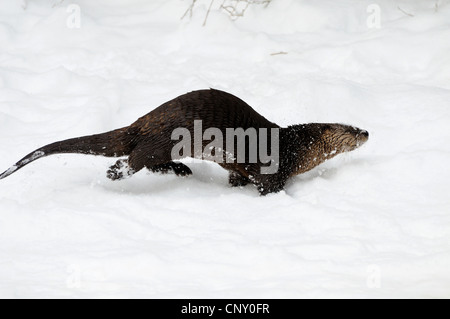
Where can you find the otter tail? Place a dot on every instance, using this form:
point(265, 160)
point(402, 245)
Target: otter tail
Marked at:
point(112, 144)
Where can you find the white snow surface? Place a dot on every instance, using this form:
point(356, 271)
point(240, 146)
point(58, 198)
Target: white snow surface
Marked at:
point(371, 223)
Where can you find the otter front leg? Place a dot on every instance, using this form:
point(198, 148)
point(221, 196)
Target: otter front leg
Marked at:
point(120, 170)
point(178, 168)
point(237, 180)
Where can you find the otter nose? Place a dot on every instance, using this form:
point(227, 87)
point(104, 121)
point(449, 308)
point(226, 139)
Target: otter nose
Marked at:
point(365, 134)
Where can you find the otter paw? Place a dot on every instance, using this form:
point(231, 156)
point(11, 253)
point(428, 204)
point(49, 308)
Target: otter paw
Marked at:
point(119, 171)
point(114, 175)
point(181, 170)
point(178, 168)
point(237, 180)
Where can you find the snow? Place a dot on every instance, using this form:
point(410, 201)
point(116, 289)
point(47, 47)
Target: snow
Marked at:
point(371, 223)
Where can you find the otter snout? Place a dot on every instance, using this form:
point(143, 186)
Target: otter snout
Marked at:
point(362, 137)
point(365, 134)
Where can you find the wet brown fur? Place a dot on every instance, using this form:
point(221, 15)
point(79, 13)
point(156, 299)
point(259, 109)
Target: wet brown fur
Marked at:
point(148, 143)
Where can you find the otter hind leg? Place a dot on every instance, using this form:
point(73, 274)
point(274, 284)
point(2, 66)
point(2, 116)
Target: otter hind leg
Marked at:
point(238, 180)
point(155, 158)
point(120, 170)
point(138, 159)
point(268, 184)
point(149, 155)
point(178, 168)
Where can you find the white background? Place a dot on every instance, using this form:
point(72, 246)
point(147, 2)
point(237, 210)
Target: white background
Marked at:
point(372, 223)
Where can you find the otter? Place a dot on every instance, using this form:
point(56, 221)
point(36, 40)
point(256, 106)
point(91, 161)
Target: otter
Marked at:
point(148, 143)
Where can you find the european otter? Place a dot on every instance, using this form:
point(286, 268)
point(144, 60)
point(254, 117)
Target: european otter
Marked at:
point(148, 142)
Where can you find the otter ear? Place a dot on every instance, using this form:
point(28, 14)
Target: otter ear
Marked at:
point(324, 128)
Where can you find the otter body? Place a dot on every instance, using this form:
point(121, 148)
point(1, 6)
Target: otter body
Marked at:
point(148, 143)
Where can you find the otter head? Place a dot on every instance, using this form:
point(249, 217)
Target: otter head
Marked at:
point(339, 138)
point(320, 142)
